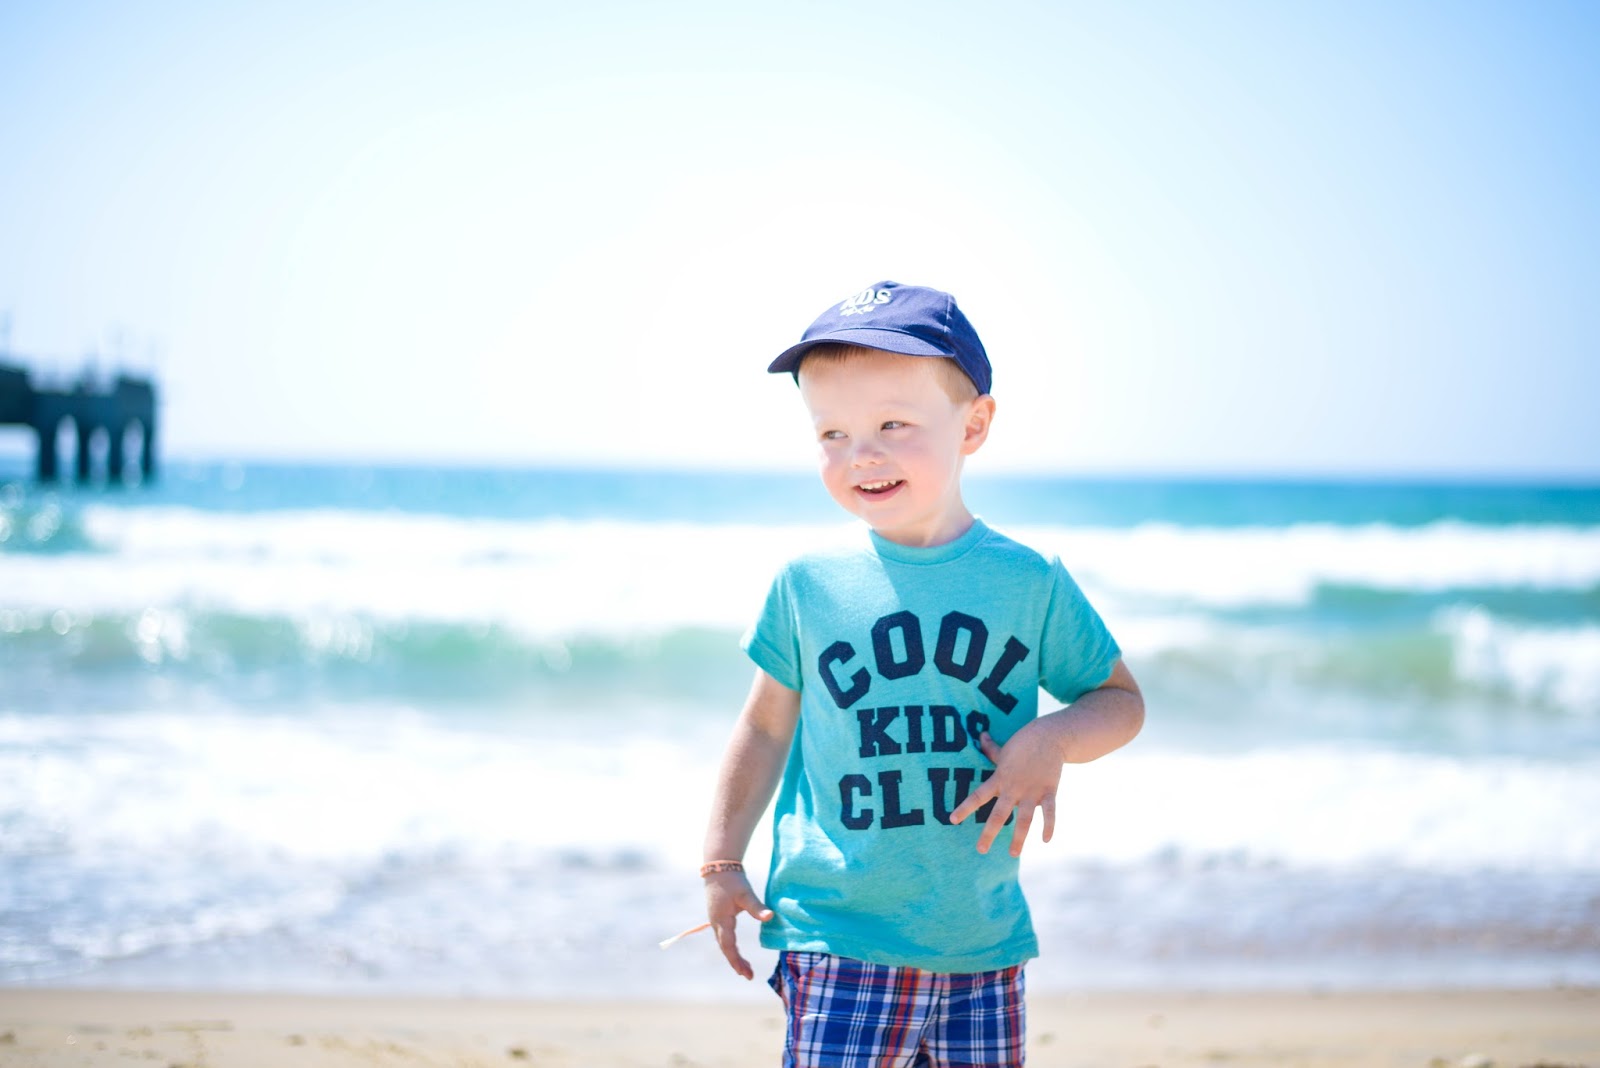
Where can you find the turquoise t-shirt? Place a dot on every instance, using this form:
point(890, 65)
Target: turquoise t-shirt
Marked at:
point(902, 657)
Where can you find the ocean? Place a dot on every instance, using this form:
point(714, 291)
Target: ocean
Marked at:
point(453, 731)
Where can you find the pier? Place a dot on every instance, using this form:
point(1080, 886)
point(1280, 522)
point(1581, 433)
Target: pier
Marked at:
point(116, 410)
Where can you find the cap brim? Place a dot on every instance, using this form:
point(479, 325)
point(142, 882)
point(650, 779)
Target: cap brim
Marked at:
point(887, 340)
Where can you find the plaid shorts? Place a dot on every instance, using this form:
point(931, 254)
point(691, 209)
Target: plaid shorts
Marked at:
point(845, 1013)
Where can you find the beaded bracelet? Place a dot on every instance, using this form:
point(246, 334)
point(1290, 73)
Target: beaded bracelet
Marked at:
point(715, 867)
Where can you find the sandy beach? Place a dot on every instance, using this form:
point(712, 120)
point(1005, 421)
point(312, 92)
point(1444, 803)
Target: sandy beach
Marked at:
point(1457, 1029)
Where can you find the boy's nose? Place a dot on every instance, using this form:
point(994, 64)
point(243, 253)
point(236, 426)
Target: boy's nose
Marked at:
point(866, 451)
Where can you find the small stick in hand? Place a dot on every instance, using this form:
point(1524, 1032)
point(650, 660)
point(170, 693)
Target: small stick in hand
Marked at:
point(681, 935)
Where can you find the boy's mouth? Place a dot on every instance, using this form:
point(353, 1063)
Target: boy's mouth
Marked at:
point(877, 489)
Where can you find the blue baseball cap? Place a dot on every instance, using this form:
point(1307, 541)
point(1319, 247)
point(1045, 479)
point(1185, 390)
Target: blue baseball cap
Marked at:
point(910, 320)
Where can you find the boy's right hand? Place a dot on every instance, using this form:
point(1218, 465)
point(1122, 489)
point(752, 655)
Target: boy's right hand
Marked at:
point(729, 893)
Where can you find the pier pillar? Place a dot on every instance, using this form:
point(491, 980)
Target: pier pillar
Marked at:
point(114, 454)
point(85, 432)
point(147, 454)
point(48, 465)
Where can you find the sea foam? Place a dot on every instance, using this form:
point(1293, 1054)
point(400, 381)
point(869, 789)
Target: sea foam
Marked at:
point(637, 572)
point(385, 782)
point(1312, 604)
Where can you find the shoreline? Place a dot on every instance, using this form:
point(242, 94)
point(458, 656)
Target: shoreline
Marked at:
point(57, 1027)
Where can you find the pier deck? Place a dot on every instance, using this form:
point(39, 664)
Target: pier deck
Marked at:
point(114, 409)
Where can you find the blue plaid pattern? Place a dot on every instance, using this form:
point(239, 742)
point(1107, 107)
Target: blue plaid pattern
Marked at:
point(845, 1013)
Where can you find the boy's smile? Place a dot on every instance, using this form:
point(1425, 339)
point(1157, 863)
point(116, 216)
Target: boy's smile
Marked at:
point(892, 442)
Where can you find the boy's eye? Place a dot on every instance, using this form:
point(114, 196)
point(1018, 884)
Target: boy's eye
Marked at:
point(893, 424)
point(832, 435)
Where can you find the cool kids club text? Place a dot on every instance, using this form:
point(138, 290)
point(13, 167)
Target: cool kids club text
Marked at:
point(958, 653)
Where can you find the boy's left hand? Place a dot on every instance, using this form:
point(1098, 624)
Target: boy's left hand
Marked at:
point(1027, 773)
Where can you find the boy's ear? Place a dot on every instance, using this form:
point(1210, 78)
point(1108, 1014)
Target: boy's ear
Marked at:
point(979, 416)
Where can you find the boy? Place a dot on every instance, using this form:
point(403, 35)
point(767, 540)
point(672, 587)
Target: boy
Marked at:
point(896, 694)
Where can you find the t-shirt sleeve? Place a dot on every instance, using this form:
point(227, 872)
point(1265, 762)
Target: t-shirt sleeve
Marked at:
point(1079, 652)
point(773, 640)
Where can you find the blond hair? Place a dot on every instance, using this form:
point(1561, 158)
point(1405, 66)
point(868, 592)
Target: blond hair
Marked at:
point(952, 379)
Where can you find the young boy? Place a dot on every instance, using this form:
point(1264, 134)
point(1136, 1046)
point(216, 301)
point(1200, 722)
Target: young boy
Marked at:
point(896, 694)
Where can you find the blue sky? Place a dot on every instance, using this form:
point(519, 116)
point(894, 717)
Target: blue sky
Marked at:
point(1230, 238)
